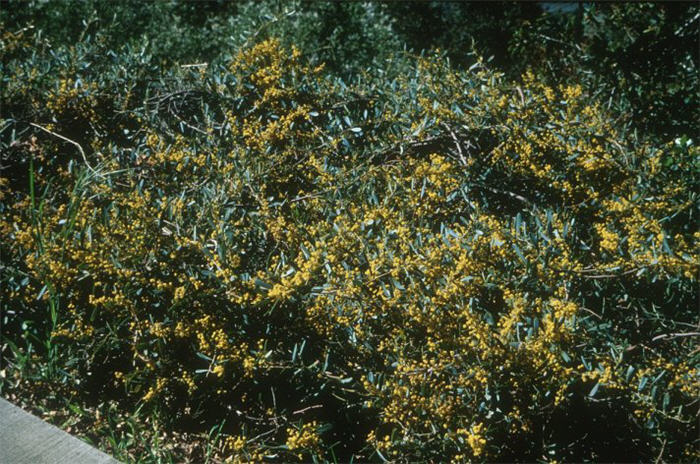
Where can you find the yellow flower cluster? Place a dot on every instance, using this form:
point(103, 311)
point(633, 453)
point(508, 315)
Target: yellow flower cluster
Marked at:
point(74, 98)
point(303, 438)
point(474, 438)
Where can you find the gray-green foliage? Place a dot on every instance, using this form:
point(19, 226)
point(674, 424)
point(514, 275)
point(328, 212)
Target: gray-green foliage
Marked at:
point(252, 200)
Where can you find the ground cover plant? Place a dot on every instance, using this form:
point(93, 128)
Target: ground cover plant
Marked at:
point(297, 250)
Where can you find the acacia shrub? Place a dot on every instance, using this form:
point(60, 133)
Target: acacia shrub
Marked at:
point(432, 264)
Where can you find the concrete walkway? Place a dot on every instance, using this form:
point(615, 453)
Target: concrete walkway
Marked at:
point(26, 439)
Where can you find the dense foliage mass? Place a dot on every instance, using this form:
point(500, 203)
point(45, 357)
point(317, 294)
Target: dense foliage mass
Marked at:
point(262, 257)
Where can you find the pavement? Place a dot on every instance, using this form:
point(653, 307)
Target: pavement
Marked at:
point(26, 439)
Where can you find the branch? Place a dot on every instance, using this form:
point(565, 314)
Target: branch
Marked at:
point(675, 335)
point(462, 159)
point(301, 411)
point(510, 194)
point(591, 312)
point(66, 139)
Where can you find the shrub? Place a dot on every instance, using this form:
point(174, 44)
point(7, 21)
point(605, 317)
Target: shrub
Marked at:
point(272, 264)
